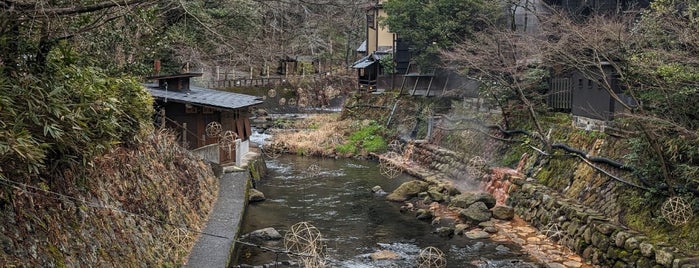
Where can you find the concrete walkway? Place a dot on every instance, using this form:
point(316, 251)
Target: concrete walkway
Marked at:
point(214, 246)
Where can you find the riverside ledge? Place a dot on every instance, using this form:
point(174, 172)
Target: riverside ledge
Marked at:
point(215, 245)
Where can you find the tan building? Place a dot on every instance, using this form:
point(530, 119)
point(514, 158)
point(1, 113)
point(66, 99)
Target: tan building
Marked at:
point(379, 38)
point(378, 44)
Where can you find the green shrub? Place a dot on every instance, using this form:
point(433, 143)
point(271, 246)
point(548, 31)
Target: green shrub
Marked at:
point(367, 139)
point(66, 116)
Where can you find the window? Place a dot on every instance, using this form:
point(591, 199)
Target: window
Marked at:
point(190, 109)
point(207, 110)
point(370, 20)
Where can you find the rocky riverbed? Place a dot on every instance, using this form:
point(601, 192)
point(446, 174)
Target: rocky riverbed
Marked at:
point(476, 214)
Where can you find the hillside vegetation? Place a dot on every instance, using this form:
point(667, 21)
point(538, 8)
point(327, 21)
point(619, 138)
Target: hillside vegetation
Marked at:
point(85, 180)
point(139, 206)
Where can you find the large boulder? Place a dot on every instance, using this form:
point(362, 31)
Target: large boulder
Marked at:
point(465, 200)
point(407, 190)
point(476, 212)
point(265, 234)
point(503, 213)
point(256, 196)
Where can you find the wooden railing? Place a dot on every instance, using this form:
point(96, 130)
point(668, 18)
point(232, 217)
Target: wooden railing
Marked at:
point(247, 82)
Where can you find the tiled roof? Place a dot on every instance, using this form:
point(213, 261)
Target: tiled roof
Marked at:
point(205, 97)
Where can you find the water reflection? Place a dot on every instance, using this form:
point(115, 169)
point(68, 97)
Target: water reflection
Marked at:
point(354, 222)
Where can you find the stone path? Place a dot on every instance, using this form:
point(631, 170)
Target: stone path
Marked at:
point(537, 245)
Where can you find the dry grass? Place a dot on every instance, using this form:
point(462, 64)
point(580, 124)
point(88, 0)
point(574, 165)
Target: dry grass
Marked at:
point(134, 207)
point(317, 135)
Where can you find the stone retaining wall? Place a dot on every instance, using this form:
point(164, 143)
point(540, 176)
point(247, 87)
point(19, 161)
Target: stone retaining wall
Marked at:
point(574, 219)
point(589, 233)
point(445, 161)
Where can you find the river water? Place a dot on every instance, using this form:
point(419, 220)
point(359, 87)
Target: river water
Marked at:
point(335, 196)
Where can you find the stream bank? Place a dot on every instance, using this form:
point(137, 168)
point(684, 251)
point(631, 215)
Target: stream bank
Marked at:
point(576, 223)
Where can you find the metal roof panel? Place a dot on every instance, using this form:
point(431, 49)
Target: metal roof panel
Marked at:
point(206, 97)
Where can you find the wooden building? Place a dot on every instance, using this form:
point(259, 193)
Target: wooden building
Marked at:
point(189, 110)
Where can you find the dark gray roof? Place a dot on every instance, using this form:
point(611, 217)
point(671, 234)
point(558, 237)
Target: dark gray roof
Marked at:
point(362, 47)
point(369, 60)
point(205, 97)
point(363, 62)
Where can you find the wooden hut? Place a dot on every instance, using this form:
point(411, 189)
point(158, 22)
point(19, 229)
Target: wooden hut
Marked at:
point(189, 110)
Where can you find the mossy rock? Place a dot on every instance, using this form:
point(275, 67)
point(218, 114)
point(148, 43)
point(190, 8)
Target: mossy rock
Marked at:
point(465, 200)
point(407, 190)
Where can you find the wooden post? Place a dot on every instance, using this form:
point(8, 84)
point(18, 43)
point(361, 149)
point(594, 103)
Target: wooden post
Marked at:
point(162, 116)
point(184, 135)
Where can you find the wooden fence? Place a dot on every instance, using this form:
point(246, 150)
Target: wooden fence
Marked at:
point(247, 82)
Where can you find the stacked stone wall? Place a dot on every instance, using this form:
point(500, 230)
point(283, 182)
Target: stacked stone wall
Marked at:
point(437, 158)
point(590, 233)
point(580, 212)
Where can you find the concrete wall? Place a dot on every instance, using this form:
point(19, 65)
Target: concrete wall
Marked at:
point(209, 153)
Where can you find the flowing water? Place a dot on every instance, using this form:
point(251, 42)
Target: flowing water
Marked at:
point(337, 199)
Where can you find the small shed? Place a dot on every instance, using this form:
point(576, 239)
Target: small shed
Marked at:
point(587, 97)
point(298, 65)
point(190, 109)
point(369, 69)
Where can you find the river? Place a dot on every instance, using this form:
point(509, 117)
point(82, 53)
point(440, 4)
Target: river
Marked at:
point(335, 196)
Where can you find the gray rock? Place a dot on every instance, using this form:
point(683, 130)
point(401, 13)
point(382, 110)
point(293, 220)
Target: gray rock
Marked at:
point(476, 234)
point(503, 213)
point(632, 243)
point(407, 190)
point(378, 191)
point(477, 212)
point(424, 214)
point(605, 228)
point(664, 257)
point(256, 196)
point(621, 238)
point(268, 233)
point(502, 248)
point(490, 229)
point(445, 231)
point(460, 228)
point(647, 249)
point(486, 224)
point(465, 200)
point(436, 196)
